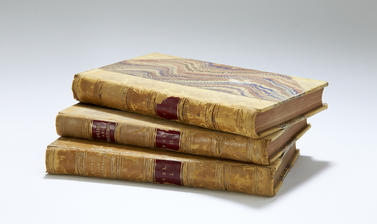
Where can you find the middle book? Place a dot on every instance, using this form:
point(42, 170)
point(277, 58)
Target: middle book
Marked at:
point(103, 124)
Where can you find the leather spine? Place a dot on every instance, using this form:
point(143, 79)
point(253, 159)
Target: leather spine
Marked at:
point(189, 110)
point(85, 158)
point(95, 123)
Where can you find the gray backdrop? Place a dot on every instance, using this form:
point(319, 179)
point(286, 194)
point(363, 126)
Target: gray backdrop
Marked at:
point(43, 43)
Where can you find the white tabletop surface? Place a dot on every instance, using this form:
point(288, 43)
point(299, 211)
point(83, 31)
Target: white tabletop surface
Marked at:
point(42, 44)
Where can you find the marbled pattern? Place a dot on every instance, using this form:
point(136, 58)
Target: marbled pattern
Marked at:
point(223, 78)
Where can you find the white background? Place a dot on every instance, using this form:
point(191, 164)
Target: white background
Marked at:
point(42, 44)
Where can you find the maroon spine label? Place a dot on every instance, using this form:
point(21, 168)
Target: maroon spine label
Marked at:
point(167, 139)
point(103, 130)
point(167, 172)
point(168, 108)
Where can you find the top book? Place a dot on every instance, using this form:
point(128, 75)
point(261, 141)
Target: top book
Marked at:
point(220, 97)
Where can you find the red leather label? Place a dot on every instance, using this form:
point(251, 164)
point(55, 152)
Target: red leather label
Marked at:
point(103, 130)
point(168, 108)
point(167, 139)
point(167, 172)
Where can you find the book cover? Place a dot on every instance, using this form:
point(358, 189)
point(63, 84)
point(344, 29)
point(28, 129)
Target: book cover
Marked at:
point(220, 97)
point(114, 126)
point(97, 159)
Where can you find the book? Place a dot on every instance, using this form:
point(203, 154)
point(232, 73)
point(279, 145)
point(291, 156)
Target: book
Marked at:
point(100, 159)
point(214, 96)
point(98, 123)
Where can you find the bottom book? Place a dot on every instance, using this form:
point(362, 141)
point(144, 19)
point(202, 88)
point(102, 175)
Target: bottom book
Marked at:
point(97, 159)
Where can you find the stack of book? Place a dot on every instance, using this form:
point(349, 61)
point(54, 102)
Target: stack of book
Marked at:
point(171, 120)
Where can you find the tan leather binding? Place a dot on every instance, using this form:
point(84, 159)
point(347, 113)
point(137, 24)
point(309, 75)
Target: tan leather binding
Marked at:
point(89, 158)
point(139, 130)
point(212, 96)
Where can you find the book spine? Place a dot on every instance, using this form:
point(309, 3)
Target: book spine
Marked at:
point(188, 110)
point(188, 140)
point(215, 175)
